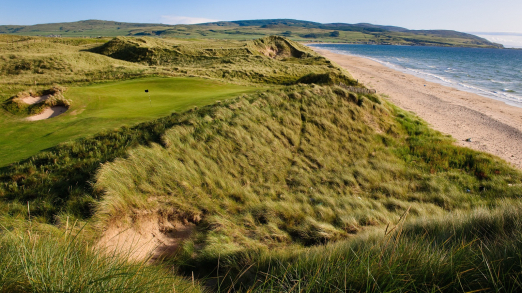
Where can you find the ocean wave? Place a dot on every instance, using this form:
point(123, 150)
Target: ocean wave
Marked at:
point(432, 75)
point(494, 94)
point(466, 79)
point(502, 82)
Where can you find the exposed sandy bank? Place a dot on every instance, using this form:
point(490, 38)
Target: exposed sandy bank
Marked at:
point(148, 238)
point(48, 113)
point(33, 100)
point(493, 126)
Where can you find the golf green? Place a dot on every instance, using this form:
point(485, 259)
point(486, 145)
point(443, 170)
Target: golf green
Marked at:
point(108, 106)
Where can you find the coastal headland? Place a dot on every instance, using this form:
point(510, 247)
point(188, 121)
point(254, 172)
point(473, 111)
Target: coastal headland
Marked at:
point(474, 121)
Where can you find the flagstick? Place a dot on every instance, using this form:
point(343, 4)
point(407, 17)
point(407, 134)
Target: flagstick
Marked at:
point(150, 101)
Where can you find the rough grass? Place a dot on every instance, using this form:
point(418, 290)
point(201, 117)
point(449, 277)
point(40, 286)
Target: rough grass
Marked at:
point(273, 60)
point(287, 187)
point(39, 258)
point(306, 165)
point(469, 252)
point(40, 63)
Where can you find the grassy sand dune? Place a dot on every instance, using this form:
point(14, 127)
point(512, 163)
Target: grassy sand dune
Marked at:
point(301, 187)
point(303, 166)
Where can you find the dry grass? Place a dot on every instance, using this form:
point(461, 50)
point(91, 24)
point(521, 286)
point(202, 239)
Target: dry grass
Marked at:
point(273, 60)
point(41, 258)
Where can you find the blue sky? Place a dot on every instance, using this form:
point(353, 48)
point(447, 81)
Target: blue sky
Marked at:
point(462, 15)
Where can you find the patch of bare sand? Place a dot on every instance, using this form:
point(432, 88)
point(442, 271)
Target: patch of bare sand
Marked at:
point(148, 238)
point(33, 100)
point(78, 111)
point(48, 113)
point(493, 126)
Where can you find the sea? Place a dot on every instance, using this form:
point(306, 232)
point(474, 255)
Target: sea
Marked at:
point(492, 73)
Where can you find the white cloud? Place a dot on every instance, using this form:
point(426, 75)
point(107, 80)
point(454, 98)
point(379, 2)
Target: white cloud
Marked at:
point(174, 19)
point(509, 40)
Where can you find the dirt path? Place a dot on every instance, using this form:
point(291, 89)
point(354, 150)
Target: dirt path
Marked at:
point(492, 126)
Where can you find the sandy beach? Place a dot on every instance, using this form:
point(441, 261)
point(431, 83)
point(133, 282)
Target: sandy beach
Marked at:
point(492, 126)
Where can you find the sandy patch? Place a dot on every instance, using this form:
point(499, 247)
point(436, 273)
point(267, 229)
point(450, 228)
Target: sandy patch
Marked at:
point(150, 238)
point(33, 100)
point(493, 126)
point(48, 113)
point(77, 112)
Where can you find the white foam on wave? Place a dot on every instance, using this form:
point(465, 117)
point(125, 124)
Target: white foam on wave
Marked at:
point(503, 96)
point(502, 82)
point(435, 76)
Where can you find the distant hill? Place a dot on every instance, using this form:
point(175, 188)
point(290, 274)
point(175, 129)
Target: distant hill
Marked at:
point(297, 30)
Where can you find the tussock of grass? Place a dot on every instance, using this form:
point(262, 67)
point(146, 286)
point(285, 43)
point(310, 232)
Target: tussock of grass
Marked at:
point(305, 165)
point(465, 252)
point(42, 259)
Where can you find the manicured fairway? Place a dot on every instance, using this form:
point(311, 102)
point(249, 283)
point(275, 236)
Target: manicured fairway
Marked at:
point(107, 106)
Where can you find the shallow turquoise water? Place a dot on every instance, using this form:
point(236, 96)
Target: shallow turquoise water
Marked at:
point(493, 73)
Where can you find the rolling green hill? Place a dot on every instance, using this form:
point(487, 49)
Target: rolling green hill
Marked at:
point(35, 64)
point(269, 177)
point(298, 30)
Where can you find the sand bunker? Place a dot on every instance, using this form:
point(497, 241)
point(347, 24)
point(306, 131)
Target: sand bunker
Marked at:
point(33, 100)
point(48, 113)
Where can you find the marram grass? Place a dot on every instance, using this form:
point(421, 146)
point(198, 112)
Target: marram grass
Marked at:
point(301, 188)
point(39, 259)
point(306, 165)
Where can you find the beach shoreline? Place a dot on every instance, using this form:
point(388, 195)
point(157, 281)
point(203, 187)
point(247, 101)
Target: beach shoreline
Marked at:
point(492, 125)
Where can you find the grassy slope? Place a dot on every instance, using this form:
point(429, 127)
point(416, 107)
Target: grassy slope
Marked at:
point(305, 166)
point(467, 252)
point(38, 63)
point(58, 180)
point(272, 60)
point(248, 30)
point(107, 106)
point(264, 176)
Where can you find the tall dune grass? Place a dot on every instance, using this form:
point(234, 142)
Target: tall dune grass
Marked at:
point(306, 165)
point(467, 252)
point(40, 259)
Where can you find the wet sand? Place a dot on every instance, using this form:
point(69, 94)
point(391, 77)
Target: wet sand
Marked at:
point(492, 126)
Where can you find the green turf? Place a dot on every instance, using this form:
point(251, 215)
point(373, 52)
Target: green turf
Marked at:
point(107, 106)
